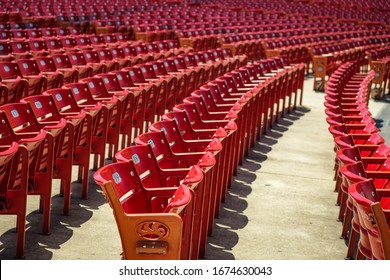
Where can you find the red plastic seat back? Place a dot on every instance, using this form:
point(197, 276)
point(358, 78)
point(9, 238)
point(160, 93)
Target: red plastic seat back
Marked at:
point(163, 46)
point(49, 32)
point(117, 52)
point(62, 61)
point(20, 47)
point(97, 40)
point(81, 93)
point(129, 50)
point(110, 38)
point(37, 45)
point(148, 71)
point(54, 44)
point(20, 117)
point(172, 134)
point(141, 49)
point(124, 79)
point(43, 107)
point(63, 100)
point(91, 56)
point(28, 67)
point(77, 59)
point(179, 62)
point(105, 54)
point(160, 147)
point(83, 41)
point(192, 113)
point(189, 60)
point(170, 65)
point(9, 70)
point(152, 47)
point(97, 87)
point(10, 120)
point(353, 173)
point(184, 126)
point(127, 186)
point(111, 82)
point(136, 74)
point(159, 69)
point(6, 35)
point(62, 31)
point(69, 43)
point(46, 64)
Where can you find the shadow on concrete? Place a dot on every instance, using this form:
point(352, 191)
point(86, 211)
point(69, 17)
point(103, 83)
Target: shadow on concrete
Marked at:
point(231, 218)
point(37, 245)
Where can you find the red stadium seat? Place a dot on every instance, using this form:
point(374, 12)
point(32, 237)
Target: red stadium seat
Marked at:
point(131, 203)
point(63, 64)
point(67, 147)
point(23, 122)
point(13, 198)
point(37, 82)
point(68, 108)
point(12, 78)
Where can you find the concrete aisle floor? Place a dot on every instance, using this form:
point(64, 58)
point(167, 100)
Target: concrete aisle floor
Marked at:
point(281, 204)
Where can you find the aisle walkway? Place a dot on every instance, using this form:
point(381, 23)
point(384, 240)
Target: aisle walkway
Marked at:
point(281, 204)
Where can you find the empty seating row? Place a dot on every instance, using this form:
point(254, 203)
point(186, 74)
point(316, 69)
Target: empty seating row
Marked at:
point(11, 50)
point(325, 62)
point(199, 144)
point(361, 160)
point(30, 75)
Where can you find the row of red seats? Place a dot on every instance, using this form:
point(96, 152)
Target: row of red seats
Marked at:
point(292, 7)
point(11, 48)
point(273, 8)
point(332, 57)
point(34, 71)
point(361, 172)
point(209, 28)
point(10, 32)
point(163, 31)
point(379, 53)
point(250, 24)
point(249, 42)
point(177, 20)
point(360, 12)
point(49, 133)
point(197, 145)
point(170, 15)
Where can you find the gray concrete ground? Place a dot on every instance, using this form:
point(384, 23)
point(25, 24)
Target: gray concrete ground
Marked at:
point(281, 204)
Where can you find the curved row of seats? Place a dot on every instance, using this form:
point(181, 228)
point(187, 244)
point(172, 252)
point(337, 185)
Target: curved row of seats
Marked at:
point(361, 164)
point(22, 47)
point(327, 58)
point(195, 148)
point(145, 28)
point(47, 133)
point(101, 9)
point(31, 70)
